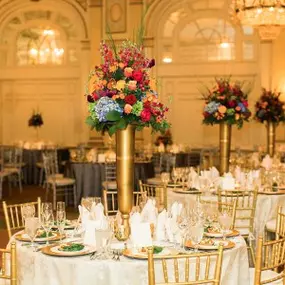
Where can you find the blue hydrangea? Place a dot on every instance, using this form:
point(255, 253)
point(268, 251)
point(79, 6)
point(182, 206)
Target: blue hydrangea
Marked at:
point(104, 106)
point(242, 107)
point(212, 107)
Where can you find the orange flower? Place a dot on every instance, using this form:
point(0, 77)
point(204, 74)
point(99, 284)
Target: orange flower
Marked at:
point(128, 109)
point(222, 109)
point(113, 68)
point(122, 96)
point(158, 119)
point(237, 117)
point(114, 97)
point(121, 65)
point(238, 108)
point(104, 82)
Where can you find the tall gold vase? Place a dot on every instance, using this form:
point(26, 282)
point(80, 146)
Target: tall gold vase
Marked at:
point(125, 149)
point(271, 135)
point(225, 147)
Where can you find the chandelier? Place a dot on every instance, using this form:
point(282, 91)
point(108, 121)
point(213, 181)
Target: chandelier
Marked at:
point(268, 16)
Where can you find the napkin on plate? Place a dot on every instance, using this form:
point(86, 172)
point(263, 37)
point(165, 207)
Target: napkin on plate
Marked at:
point(267, 162)
point(149, 212)
point(161, 226)
point(228, 182)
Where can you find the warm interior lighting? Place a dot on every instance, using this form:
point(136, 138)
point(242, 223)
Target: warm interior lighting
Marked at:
point(167, 59)
point(267, 16)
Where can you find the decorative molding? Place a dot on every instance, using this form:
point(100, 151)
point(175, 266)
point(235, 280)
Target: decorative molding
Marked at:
point(116, 15)
point(148, 42)
point(82, 3)
point(95, 3)
point(85, 45)
point(136, 2)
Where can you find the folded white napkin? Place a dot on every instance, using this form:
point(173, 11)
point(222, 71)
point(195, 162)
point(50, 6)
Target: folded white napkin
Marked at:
point(193, 179)
point(84, 215)
point(141, 234)
point(101, 157)
point(228, 182)
point(161, 148)
point(176, 209)
point(255, 159)
point(267, 162)
point(161, 226)
point(214, 172)
point(135, 218)
point(149, 212)
point(238, 174)
point(90, 232)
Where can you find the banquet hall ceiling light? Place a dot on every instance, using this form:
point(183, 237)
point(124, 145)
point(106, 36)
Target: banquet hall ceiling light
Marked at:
point(268, 16)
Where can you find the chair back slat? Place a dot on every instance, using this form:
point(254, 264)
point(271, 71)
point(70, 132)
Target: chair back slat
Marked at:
point(193, 265)
point(14, 215)
point(10, 256)
point(280, 224)
point(270, 255)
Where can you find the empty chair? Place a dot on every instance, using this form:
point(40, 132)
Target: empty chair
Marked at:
point(277, 225)
point(198, 268)
point(14, 215)
point(9, 269)
point(110, 176)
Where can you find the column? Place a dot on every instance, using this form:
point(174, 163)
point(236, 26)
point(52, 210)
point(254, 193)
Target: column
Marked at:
point(265, 60)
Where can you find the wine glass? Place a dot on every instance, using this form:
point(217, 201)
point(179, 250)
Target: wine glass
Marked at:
point(32, 225)
point(174, 175)
point(47, 221)
point(225, 222)
point(60, 220)
point(60, 206)
point(165, 177)
point(196, 234)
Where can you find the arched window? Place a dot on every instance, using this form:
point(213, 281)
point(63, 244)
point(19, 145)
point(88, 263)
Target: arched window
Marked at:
point(37, 46)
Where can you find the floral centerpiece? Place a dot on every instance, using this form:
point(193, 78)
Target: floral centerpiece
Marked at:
point(36, 120)
point(122, 91)
point(226, 102)
point(269, 107)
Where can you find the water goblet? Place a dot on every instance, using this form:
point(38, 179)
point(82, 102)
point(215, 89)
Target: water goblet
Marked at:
point(225, 222)
point(60, 221)
point(60, 206)
point(47, 221)
point(165, 177)
point(196, 234)
point(32, 225)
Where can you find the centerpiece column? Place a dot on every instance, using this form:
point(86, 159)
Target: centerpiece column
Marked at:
point(125, 148)
point(271, 135)
point(225, 147)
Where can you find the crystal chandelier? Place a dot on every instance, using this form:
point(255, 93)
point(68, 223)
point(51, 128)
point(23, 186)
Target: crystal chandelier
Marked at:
point(268, 16)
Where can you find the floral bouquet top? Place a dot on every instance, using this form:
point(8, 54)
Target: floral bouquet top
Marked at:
point(36, 120)
point(121, 91)
point(226, 102)
point(269, 107)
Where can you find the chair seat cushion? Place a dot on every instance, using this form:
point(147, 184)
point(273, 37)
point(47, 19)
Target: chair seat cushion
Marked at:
point(61, 181)
point(12, 170)
point(4, 173)
point(271, 225)
point(265, 275)
point(109, 185)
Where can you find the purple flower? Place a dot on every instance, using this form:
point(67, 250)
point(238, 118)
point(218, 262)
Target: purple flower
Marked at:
point(151, 63)
point(242, 107)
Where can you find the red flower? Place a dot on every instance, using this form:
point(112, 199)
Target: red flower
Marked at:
point(145, 115)
point(245, 103)
point(130, 99)
point(146, 105)
point(95, 96)
point(138, 75)
point(232, 103)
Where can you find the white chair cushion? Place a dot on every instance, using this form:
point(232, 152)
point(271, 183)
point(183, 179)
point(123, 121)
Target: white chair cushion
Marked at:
point(109, 185)
point(154, 181)
point(271, 225)
point(265, 275)
point(61, 181)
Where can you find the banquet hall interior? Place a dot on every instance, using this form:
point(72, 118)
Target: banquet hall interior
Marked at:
point(142, 142)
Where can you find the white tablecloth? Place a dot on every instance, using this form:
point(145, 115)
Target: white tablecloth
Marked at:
point(266, 206)
point(35, 268)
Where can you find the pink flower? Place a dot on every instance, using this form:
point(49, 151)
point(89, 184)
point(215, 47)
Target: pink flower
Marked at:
point(132, 85)
point(138, 75)
point(245, 103)
point(145, 115)
point(128, 109)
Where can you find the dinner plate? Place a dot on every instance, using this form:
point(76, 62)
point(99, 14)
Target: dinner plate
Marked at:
point(68, 226)
point(229, 233)
point(137, 254)
point(226, 245)
point(54, 251)
point(191, 191)
point(24, 237)
point(279, 192)
point(172, 185)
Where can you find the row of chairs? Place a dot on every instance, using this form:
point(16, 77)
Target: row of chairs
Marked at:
point(270, 255)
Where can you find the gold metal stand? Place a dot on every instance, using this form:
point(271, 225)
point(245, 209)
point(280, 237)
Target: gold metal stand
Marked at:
point(125, 147)
point(271, 134)
point(225, 147)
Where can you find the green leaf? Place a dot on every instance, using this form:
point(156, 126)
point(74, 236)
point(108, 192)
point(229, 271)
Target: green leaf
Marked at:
point(121, 124)
point(112, 130)
point(113, 116)
point(89, 121)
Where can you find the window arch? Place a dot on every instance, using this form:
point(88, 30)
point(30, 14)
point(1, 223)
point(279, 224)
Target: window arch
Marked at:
point(37, 46)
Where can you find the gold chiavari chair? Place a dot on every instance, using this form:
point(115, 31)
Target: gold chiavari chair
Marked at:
point(245, 212)
point(110, 201)
point(155, 191)
point(110, 182)
point(192, 262)
point(14, 215)
point(277, 225)
point(270, 263)
point(229, 208)
point(11, 273)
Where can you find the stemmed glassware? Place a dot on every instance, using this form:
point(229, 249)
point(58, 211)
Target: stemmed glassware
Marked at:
point(60, 218)
point(32, 225)
point(47, 219)
point(196, 233)
point(225, 221)
point(174, 175)
point(28, 211)
point(165, 177)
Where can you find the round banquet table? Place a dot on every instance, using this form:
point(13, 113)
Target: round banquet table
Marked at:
point(36, 268)
point(266, 206)
point(89, 176)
